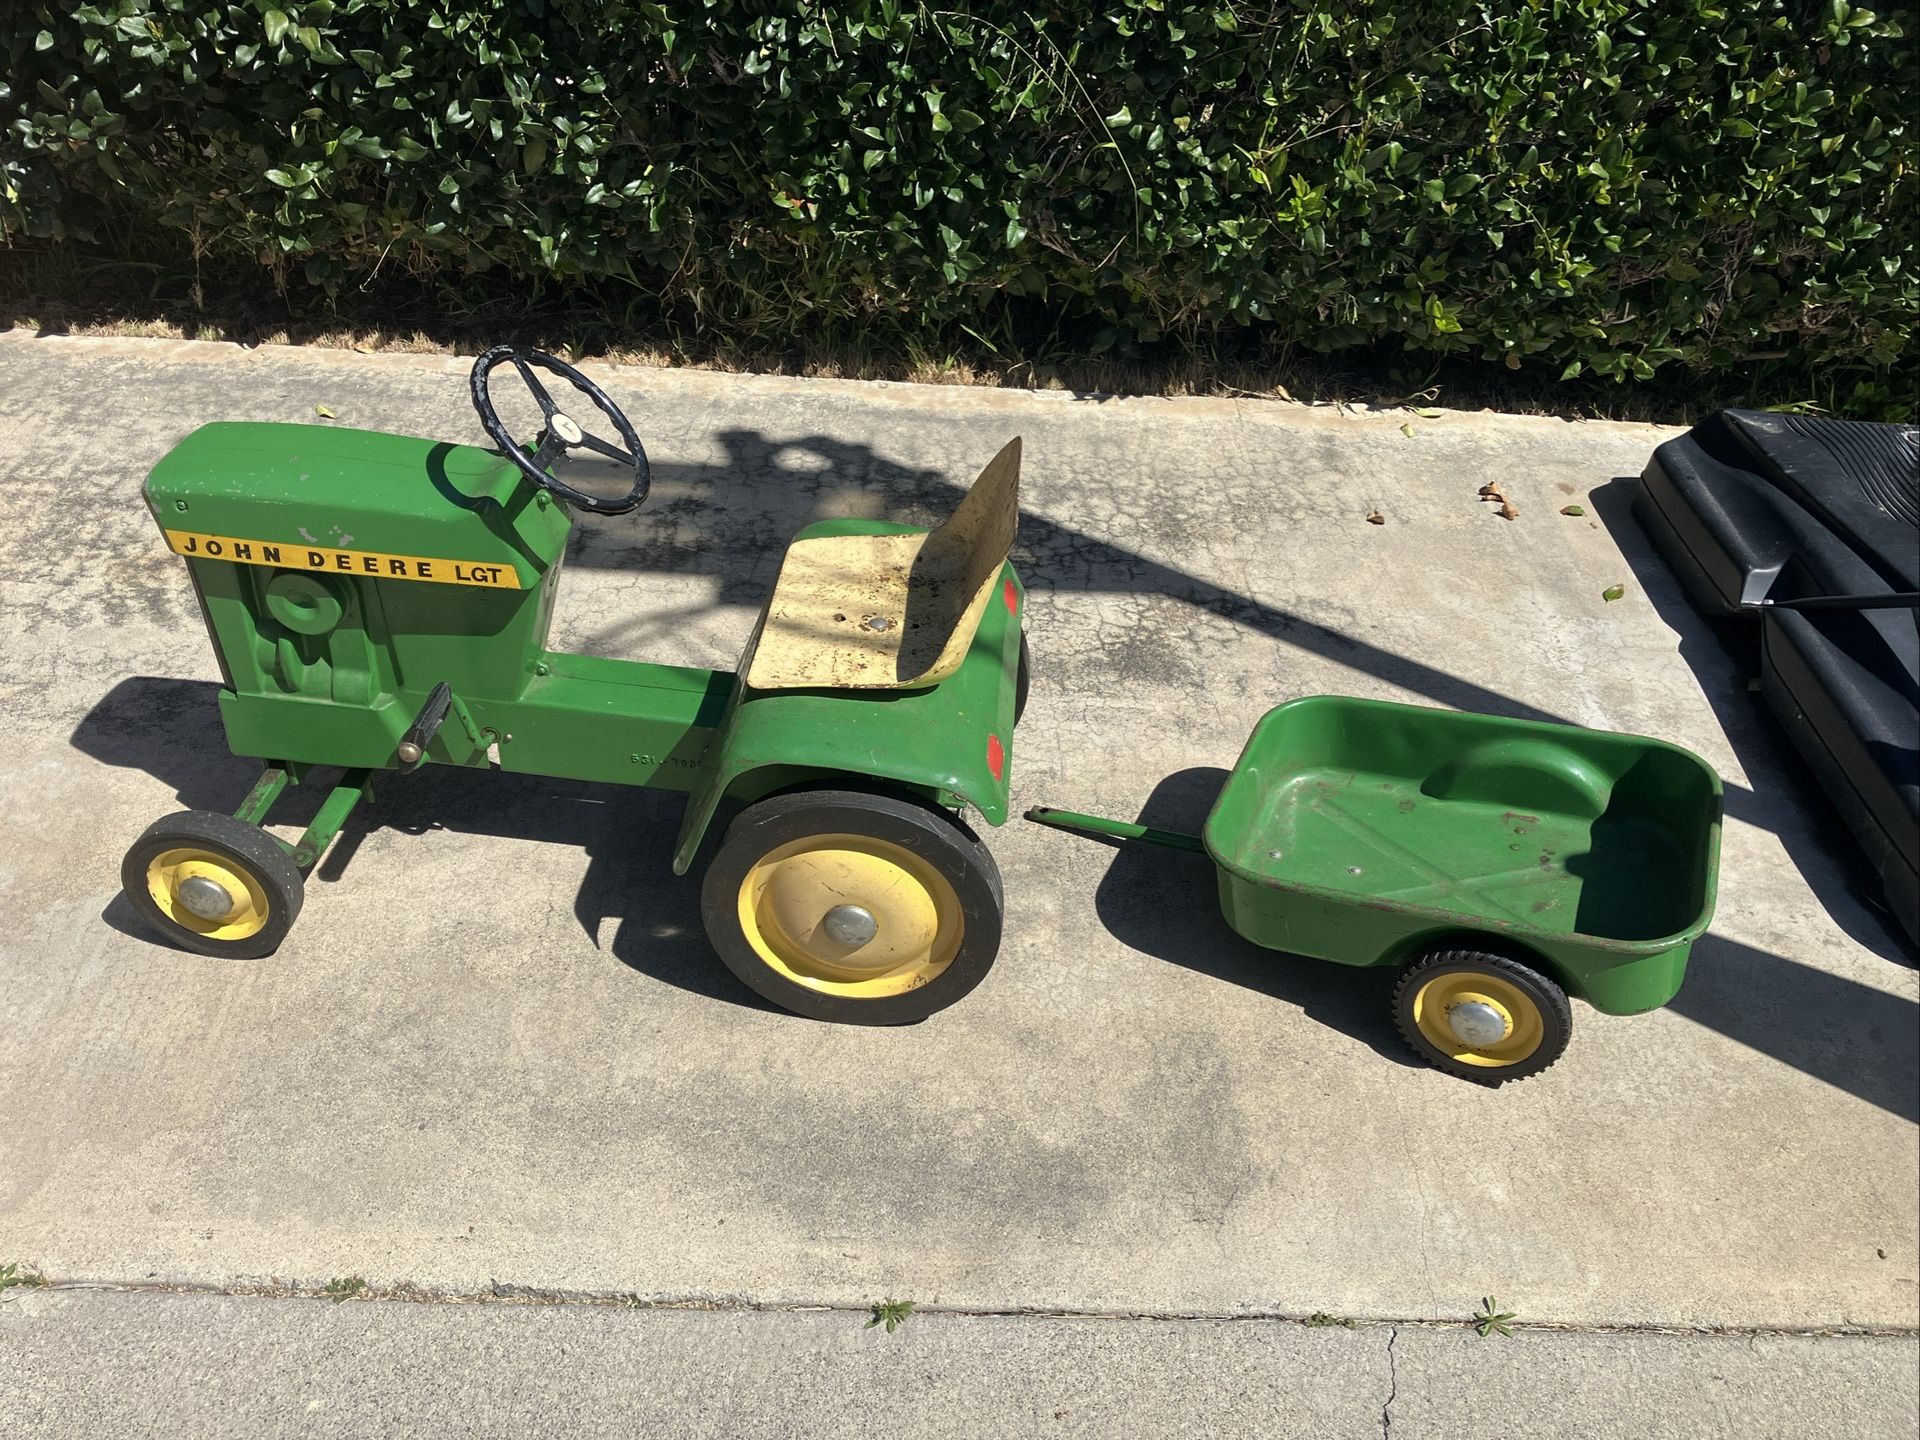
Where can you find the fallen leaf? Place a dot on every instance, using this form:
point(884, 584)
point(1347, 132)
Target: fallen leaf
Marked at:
point(1407, 430)
point(1507, 511)
point(1571, 510)
point(1613, 593)
point(1513, 360)
point(1491, 491)
point(1426, 414)
point(323, 412)
point(1374, 517)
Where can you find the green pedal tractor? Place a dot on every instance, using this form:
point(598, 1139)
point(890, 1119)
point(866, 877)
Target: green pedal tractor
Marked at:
point(379, 602)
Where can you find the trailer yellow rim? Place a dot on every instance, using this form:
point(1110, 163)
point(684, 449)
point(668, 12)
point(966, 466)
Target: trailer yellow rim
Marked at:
point(850, 915)
point(1476, 1018)
point(208, 893)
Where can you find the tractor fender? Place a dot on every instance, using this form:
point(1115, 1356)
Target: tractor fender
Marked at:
point(955, 737)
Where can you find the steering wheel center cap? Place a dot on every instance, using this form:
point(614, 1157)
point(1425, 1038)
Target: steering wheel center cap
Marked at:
point(564, 429)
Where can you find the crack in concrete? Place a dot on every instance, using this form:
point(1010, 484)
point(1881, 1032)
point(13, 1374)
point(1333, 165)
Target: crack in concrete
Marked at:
point(1393, 1386)
point(504, 1293)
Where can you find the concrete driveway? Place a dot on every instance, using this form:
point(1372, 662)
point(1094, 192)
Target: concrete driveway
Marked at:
point(496, 1055)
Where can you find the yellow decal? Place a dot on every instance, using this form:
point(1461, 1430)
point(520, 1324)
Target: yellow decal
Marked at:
point(373, 564)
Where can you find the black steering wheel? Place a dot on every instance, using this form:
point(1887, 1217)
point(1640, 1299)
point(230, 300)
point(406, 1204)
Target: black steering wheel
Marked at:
point(560, 432)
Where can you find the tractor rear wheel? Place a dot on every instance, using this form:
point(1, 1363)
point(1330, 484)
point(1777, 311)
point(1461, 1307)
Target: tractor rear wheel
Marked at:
point(213, 884)
point(1022, 682)
point(866, 909)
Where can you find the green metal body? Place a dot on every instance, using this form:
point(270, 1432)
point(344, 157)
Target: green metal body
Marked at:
point(1361, 832)
point(344, 573)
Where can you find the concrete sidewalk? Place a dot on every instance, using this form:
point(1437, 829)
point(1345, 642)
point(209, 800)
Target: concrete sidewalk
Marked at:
point(84, 1364)
point(496, 1048)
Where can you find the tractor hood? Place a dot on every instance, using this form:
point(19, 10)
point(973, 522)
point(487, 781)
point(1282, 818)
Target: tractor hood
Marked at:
point(355, 502)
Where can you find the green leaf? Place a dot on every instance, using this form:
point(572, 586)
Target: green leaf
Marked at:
point(324, 412)
point(277, 25)
point(1572, 510)
point(283, 179)
point(1613, 593)
point(533, 155)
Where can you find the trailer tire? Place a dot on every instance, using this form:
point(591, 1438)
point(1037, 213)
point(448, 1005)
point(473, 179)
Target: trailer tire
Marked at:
point(854, 907)
point(1481, 1016)
point(176, 874)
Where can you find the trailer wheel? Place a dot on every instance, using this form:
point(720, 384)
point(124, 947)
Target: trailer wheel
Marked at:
point(213, 884)
point(1481, 1016)
point(867, 909)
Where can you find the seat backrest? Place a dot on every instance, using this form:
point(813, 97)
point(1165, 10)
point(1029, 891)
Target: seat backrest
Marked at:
point(888, 611)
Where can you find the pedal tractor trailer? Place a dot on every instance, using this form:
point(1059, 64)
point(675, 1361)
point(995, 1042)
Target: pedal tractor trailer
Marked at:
point(380, 602)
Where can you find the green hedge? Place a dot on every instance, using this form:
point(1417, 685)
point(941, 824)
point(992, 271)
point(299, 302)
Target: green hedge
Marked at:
point(1568, 186)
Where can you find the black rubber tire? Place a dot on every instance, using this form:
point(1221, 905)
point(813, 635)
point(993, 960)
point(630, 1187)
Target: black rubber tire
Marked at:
point(1556, 1012)
point(932, 835)
point(246, 847)
point(1022, 679)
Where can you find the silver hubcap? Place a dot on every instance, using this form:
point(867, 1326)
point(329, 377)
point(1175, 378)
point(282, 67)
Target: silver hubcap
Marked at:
point(1474, 1022)
point(206, 898)
point(850, 925)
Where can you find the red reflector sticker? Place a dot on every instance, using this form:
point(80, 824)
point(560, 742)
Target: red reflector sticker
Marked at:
point(996, 756)
point(1012, 597)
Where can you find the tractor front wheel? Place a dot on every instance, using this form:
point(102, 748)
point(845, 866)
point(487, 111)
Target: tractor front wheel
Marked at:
point(213, 884)
point(866, 909)
point(1481, 1016)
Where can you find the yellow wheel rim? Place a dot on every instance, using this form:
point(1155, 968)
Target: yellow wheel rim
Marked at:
point(181, 882)
point(787, 897)
point(1490, 1000)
